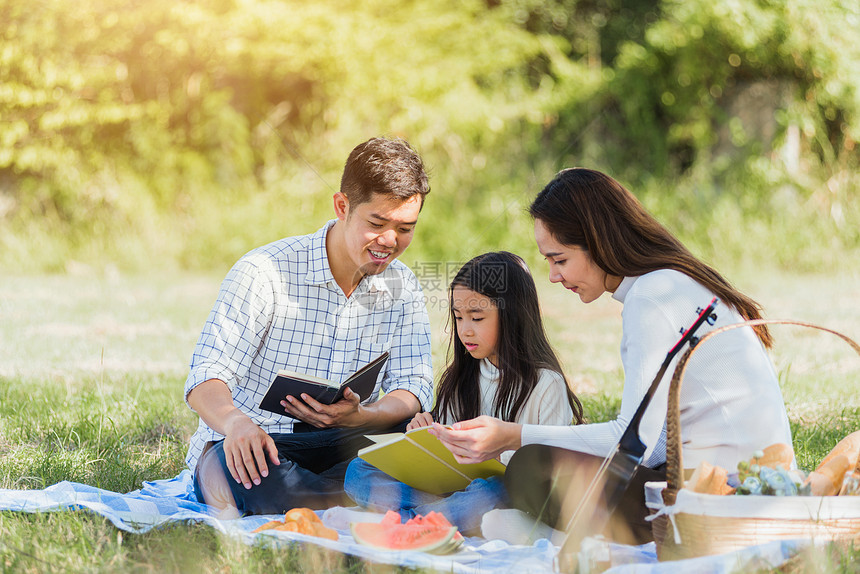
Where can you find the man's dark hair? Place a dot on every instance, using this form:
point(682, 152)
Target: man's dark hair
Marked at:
point(387, 166)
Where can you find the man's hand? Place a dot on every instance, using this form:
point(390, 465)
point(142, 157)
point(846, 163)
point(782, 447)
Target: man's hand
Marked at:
point(420, 420)
point(479, 439)
point(395, 407)
point(246, 447)
point(346, 412)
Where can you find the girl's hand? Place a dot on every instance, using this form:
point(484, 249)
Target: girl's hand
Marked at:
point(479, 439)
point(420, 420)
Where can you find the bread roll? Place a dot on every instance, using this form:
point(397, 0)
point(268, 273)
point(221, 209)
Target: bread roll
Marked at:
point(776, 454)
point(709, 479)
point(306, 513)
point(827, 478)
point(848, 446)
point(303, 521)
point(268, 526)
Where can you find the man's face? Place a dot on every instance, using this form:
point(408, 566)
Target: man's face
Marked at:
point(377, 231)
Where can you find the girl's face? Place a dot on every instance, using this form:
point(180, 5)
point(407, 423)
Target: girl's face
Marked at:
point(571, 266)
point(476, 319)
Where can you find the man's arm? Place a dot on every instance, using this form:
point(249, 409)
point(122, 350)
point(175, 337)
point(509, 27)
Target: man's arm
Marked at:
point(245, 444)
point(222, 356)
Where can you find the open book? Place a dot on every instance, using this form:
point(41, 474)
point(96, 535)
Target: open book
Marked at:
point(419, 459)
point(362, 383)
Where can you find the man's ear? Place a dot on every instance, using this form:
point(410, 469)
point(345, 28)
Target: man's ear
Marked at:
point(341, 205)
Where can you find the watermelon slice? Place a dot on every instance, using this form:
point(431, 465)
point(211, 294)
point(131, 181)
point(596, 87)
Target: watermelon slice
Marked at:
point(432, 518)
point(432, 533)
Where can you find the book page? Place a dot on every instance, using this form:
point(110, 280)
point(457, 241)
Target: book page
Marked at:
point(484, 469)
point(308, 378)
point(420, 460)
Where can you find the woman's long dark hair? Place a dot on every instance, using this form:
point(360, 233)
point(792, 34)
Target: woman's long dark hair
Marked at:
point(590, 210)
point(522, 347)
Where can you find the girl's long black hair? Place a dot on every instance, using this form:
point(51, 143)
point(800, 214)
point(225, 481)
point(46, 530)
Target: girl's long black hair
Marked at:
point(522, 347)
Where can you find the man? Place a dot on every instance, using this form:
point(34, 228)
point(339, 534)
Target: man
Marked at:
point(323, 304)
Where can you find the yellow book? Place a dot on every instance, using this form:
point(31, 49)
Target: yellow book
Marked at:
point(419, 459)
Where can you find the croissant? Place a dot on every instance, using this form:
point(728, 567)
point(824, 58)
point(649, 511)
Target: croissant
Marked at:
point(303, 521)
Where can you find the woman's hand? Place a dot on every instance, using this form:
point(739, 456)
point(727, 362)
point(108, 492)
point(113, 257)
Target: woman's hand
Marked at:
point(479, 439)
point(420, 420)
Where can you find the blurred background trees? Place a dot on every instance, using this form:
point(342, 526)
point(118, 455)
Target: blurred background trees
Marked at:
point(165, 134)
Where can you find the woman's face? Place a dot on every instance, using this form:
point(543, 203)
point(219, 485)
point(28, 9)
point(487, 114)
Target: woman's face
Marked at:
point(571, 266)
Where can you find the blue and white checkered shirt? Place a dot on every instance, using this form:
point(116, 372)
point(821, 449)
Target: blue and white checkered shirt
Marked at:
point(280, 308)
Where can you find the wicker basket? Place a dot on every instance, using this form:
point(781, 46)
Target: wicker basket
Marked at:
point(694, 524)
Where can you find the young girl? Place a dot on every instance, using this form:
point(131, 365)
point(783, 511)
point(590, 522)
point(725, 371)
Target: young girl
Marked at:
point(501, 366)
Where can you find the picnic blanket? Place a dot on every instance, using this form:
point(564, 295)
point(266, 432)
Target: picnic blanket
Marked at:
point(162, 501)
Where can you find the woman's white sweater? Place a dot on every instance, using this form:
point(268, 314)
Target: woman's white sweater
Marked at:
point(731, 404)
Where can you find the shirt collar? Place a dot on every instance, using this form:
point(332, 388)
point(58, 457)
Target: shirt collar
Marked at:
point(623, 287)
point(489, 370)
point(319, 272)
point(380, 283)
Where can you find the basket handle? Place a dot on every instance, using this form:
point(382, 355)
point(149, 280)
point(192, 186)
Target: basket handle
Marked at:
point(674, 461)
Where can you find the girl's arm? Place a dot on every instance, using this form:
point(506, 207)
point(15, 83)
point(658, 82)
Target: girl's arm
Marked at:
point(479, 439)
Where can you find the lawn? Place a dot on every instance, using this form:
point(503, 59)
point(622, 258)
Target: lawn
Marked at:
point(91, 375)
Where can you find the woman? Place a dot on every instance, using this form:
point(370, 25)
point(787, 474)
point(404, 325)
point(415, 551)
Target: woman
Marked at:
point(598, 238)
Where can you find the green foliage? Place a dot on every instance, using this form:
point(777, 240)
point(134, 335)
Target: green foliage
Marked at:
point(826, 558)
point(141, 132)
point(679, 74)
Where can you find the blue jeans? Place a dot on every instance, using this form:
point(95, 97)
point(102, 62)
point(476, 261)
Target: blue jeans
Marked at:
point(373, 489)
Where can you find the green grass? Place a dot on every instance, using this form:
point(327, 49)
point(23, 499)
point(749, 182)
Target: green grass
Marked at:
point(83, 542)
point(91, 376)
point(49, 436)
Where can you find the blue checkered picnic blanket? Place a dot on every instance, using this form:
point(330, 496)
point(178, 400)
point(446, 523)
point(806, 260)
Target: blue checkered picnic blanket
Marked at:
point(171, 500)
